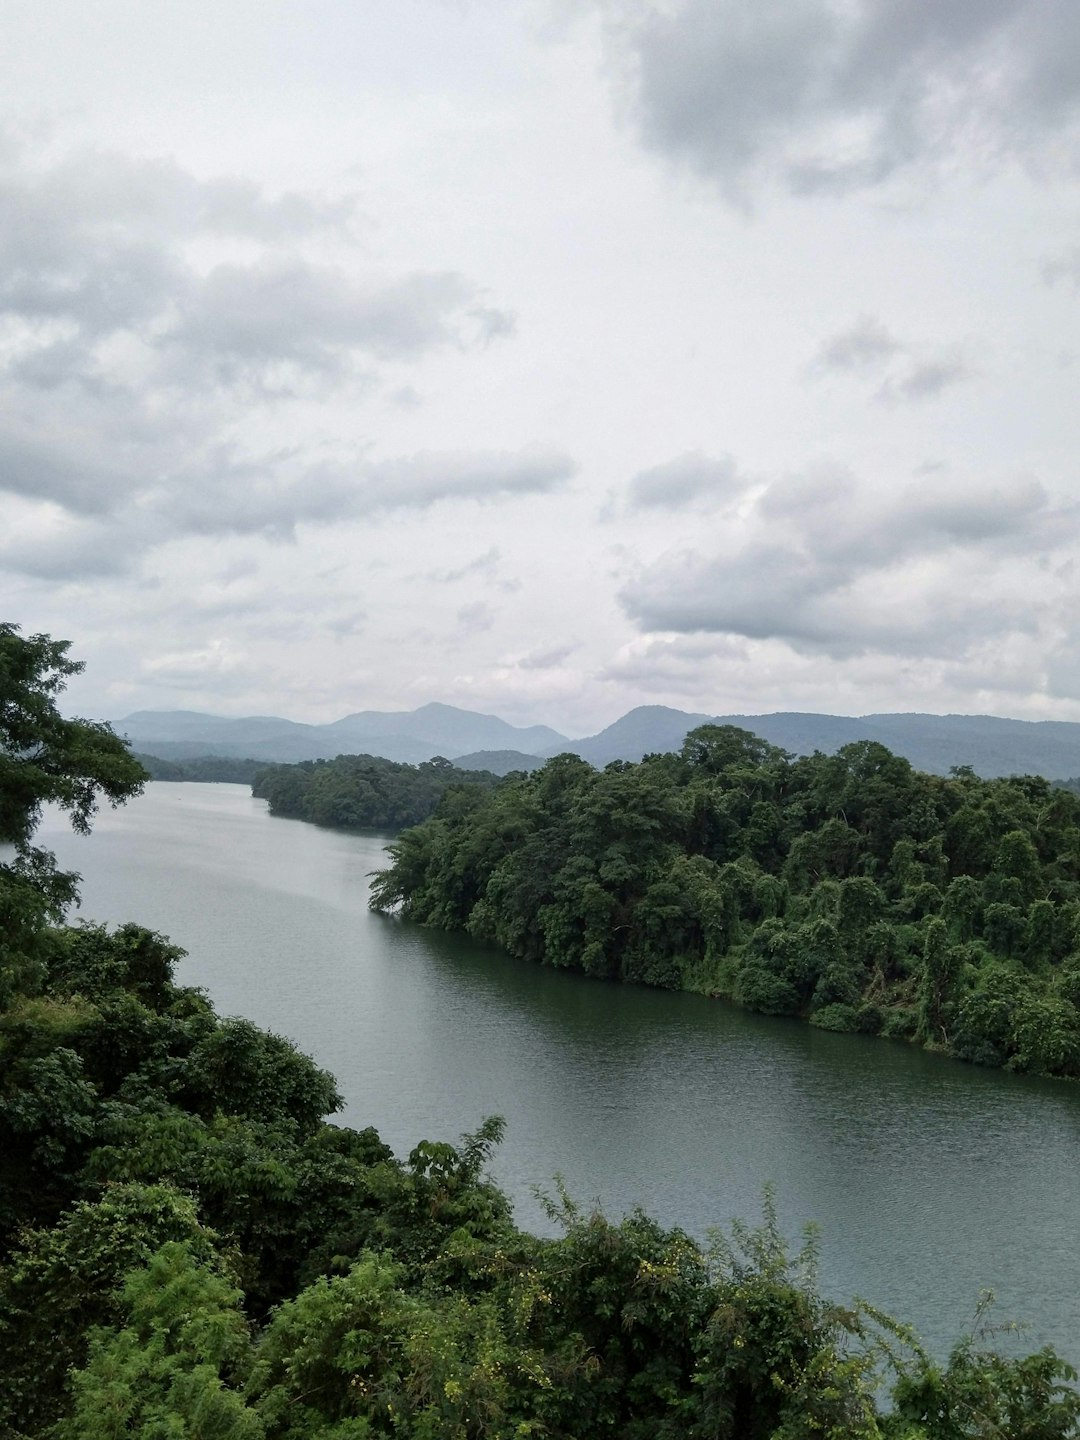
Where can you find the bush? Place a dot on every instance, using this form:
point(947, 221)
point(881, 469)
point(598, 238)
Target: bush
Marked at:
point(842, 1018)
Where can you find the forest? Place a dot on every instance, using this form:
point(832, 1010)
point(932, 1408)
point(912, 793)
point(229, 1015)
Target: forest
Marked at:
point(202, 769)
point(190, 1251)
point(848, 889)
point(362, 791)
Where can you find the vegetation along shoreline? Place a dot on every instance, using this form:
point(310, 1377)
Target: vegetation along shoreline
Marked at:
point(849, 890)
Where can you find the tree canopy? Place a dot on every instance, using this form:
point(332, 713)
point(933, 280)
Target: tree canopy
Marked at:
point(364, 791)
point(848, 889)
point(46, 759)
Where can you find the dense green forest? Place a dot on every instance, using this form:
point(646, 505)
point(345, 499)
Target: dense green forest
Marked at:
point(849, 889)
point(188, 1251)
point(363, 791)
point(207, 769)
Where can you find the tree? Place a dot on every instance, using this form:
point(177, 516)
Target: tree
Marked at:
point(46, 759)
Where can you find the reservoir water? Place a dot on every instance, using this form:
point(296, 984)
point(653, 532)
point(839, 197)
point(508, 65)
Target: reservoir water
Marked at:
point(930, 1179)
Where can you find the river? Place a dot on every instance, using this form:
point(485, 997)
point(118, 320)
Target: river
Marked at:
point(930, 1179)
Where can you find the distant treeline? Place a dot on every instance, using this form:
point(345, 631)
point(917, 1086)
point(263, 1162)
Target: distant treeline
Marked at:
point(363, 791)
point(848, 889)
point(212, 769)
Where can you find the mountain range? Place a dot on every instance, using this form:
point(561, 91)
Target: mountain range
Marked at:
point(989, 744)
point(404, 735)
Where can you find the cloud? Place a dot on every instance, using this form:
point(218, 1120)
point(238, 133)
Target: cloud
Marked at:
point(474, 619)
point(838, 95)
point(128, 283)
point(210, 665)
point(1063, 266)
point(417, 482)
point(486, 565)
point(43, 470)
point(63, 549)
point(828, 567)
point(926, 379)
point(146, 317)
point(270, 496)
point(690, 479)
point(244, 319)
point(904, 371)
point(866, 345)
point(548, 657)
point(680, 664)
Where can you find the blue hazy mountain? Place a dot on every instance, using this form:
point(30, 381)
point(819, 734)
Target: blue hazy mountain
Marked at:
point(989, 744)
point(405, 735)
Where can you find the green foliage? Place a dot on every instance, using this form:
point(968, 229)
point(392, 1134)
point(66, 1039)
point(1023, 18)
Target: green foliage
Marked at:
point(60, 1282)
point(172, 1369)
point(45, 759)
point(205, 769)
point(981, 1394)
point(775, 1361)
point(846, 889)
point(365, 791)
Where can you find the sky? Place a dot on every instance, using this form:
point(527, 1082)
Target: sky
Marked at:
point(544, 357)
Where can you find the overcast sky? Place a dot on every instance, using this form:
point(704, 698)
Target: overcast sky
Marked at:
point(546, 357)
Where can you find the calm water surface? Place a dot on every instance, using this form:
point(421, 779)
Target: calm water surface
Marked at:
point(930, 1179)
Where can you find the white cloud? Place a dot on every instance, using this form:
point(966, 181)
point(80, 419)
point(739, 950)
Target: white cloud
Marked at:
point(828, 567)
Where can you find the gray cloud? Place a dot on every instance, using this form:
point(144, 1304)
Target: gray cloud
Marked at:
point(1064, 266)
point(83, 551)
point(105, 255)
point(271, 496)
point(243, 319)
point(417, 482)
point(41, 470)
point(829, 569)
point(549, 657)
point(689, 479)
point(486, 565)
point(474, 619)
point(831, 96)
point(927, 379)
point(912, 373)
point(866, 345)
point(683, 663)
point(130, 363)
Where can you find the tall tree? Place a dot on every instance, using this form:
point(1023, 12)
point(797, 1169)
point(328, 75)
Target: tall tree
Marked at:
point(46, 759)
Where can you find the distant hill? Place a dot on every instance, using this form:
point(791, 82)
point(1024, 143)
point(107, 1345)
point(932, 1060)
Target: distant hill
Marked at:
point(454, 731)
point(990, 745)
point(408, 736)
point(650, 729)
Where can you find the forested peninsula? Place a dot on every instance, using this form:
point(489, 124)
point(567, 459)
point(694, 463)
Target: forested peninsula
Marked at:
point(848, 889)
point(189, 1251)
point(201, 769)
point(362, 791)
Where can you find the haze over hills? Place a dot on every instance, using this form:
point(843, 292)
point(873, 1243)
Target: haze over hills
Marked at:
point(406, 735)
point(989, 744)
